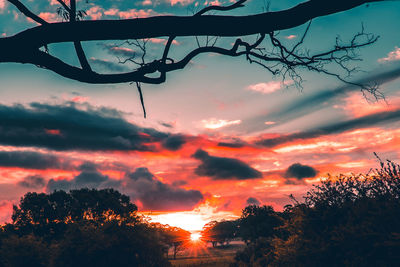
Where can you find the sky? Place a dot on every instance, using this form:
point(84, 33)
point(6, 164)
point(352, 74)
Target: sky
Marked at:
point(219, 135)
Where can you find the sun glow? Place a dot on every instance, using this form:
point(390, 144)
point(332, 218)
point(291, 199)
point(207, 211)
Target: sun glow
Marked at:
point(190, 220)
point(195, 237)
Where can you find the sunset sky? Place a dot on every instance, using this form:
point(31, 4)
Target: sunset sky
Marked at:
point(219, 135)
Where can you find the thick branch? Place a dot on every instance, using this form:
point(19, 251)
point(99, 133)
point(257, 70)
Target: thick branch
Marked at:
point(205, 25)
point(81, 56)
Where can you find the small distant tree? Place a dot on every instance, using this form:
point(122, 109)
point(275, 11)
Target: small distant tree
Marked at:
point(175, 237)
point(219, 232)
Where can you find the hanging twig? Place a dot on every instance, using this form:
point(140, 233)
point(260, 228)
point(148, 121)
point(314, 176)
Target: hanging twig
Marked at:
point(138, 85)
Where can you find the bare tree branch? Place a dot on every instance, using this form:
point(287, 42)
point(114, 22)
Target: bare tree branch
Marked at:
point(24, 10)
point(277, 58)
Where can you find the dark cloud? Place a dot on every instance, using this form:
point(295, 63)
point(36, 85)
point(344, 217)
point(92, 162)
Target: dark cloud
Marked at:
point(253, 201)
point(334, 128)
point(89, 177)
point(31, 160)
point(74, 126)
point(33, 182)
point(220, 168)
point(168, 125)
point(141, 185)
point(141, 173)
point(300, 171)
point(232, 145)
point(155, 195)
point(317, 101)
point(174, 142)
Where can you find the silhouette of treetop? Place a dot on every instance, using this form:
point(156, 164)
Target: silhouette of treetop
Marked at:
point(97, 206)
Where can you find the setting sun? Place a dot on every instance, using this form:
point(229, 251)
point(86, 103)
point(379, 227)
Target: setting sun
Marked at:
point(195, 236)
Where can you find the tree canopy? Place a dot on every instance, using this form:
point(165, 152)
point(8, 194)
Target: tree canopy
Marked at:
point(85, 227)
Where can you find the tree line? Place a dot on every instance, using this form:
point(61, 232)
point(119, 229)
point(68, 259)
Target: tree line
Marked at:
point(85, 227)
point(349, 220)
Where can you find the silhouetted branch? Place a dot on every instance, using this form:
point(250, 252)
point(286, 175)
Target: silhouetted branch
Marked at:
point(24, 10)
point(139, 87)
point(281, 60)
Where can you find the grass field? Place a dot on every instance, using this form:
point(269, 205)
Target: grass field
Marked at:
point(205, 255)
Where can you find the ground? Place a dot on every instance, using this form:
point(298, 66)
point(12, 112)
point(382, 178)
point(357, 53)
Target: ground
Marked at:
point(206, 255)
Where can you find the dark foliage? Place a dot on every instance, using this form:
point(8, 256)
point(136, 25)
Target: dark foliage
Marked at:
point(220, 232)
point(85, 227)
point(345, 221)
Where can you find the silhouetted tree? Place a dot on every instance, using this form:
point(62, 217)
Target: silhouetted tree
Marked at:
point(258, 221)
point(85, 227)
point(219, 232)
point(98, 206)
point(277, 58)
point(350, 220)
point(176, 238)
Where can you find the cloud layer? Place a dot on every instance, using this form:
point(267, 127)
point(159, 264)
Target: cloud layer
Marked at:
point(73, 127)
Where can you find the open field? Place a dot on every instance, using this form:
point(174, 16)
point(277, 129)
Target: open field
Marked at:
point(205, 255)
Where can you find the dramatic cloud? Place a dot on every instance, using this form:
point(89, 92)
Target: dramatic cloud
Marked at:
point(392, 56)
point(31, 160)
point(300, 171)
point(219, 168)
point(155, 195)
point(33, 182)
point(77, 127)
point(141, 185)
point(253, 201)
point(334, 128)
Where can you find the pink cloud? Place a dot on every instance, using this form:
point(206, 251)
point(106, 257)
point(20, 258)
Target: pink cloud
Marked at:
point(182, 2)
point(391, 56)
point(134, 13)
point(2, 4)
point(111, 12)
point(95, 12)
point(269, 87)
point(213, 3)
point(146, 3)
point(49, 17)
point(54, 2)
point(290, 37)
point(357, 106)
point(162, 41)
